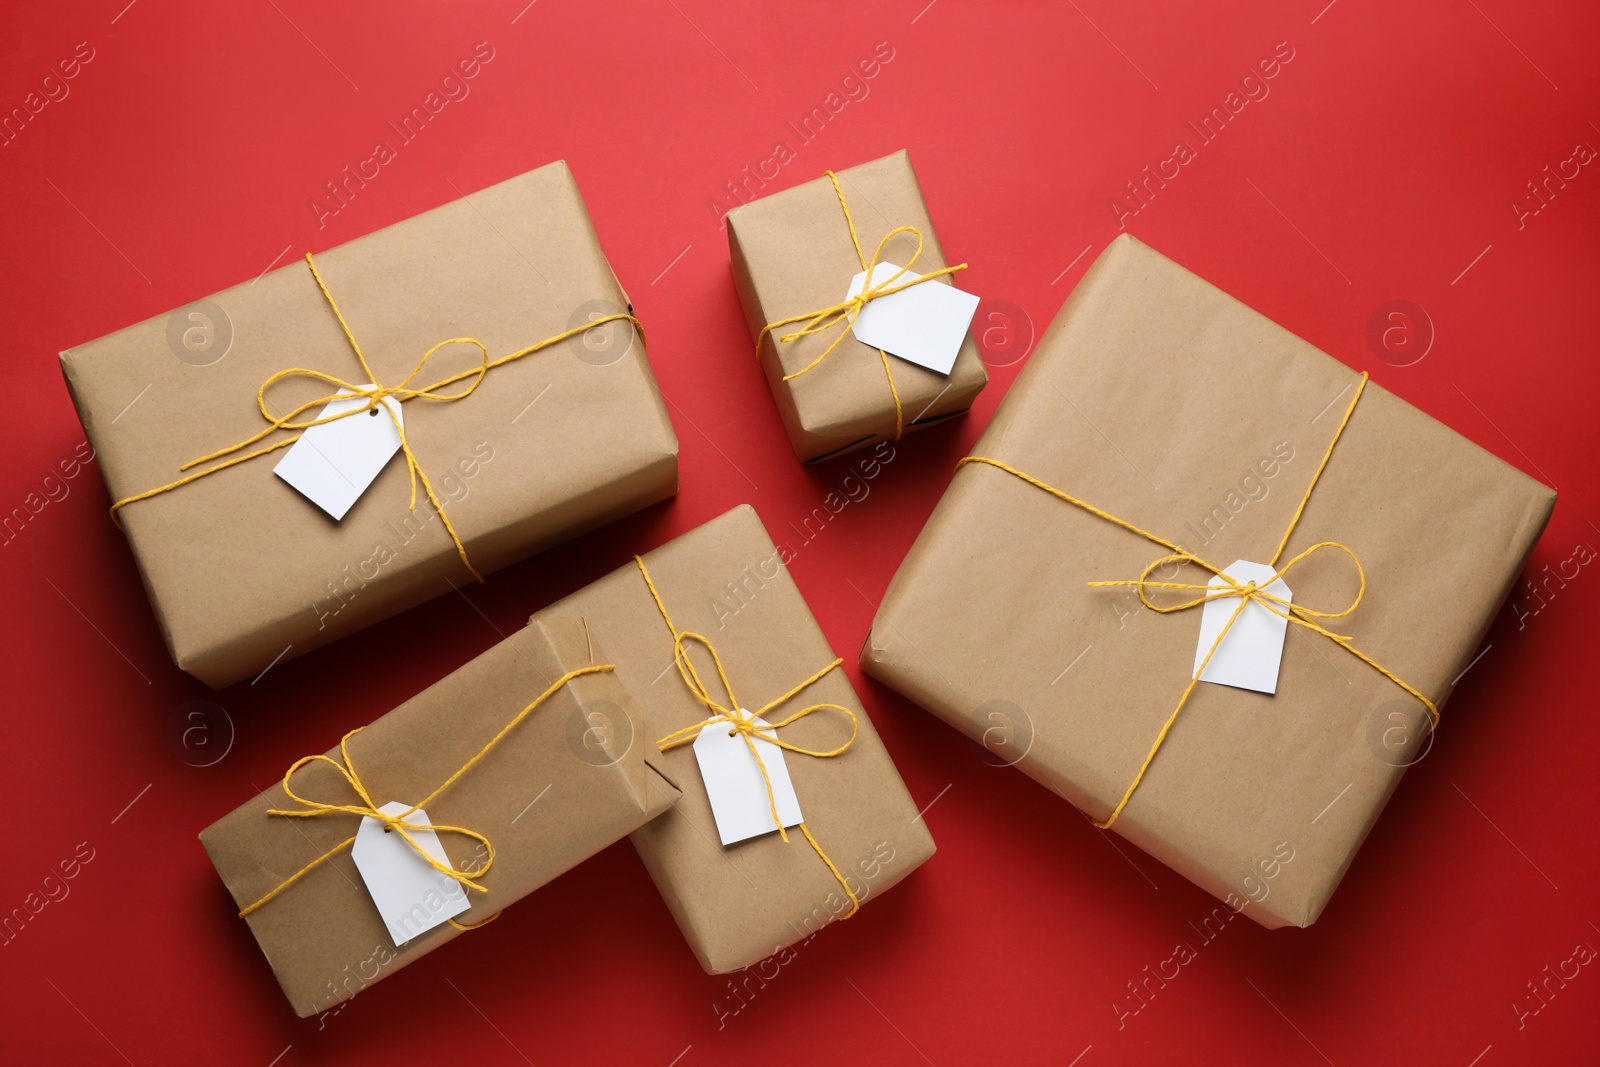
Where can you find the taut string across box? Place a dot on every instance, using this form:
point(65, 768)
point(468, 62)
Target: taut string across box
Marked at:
point(1248, 592)
point(845, 312)
point(375, 394)
point(744, 724)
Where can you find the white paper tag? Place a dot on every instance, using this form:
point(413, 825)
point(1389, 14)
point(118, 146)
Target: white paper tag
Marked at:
point(332, 464)
point(734, 783)
point(923, 324)
point(411, 896)
point(1248, 657)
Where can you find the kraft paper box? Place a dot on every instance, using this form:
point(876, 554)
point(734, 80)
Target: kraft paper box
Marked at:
point(741, 903)
point(792, 255)
point(242, 571)
point(323, 935)
point(1166, 403)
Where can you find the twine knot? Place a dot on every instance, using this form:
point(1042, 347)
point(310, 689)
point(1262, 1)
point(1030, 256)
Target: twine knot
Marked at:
point(1246, 592)
point(743, 722)
point(371, 810)
point(376, 393)
point(367, 808)
point(848, 310)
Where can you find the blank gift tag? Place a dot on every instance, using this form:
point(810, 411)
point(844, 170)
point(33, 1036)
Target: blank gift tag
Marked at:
point(924, 324)
point(734, 783)
point(332, 464)
point(1248, 657)
point(411, 896)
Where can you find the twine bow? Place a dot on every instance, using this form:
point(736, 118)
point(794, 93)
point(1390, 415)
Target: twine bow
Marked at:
point(369, 809)
point(1249, 592)
point(743, 722)
point(375, 394)
point(311, 809)
point(845, 313)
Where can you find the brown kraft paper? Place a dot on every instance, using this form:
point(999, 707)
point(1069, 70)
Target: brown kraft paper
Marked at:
point(1165, 402)
point(323, 935)
point(738, 905)
point(792, 255)
point(241, 570)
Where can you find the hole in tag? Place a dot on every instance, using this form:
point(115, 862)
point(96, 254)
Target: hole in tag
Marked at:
point(745, 781)
point(1246, 653)
point(335, 461)
point(406, 879)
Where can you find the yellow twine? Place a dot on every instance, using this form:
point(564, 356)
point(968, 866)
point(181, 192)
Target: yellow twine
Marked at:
point(1247, 592)
point(742, 722)
point(369, 809)
point(845, 312)
point(375, 393)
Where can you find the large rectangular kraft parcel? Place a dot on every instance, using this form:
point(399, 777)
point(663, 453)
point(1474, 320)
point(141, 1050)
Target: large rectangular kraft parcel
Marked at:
point(474, 751)
point(794, 252)
point(1161, 423)
point(859, 832)
point(244, 572)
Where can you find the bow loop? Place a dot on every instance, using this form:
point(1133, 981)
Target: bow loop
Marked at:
point(743, 723)
point(845, 313)
point(369, 809)
point(848, 310)
point(345, 767)
point(376, 393)
point(1245, 592)
point(739, 720)
point(691, 675)
point(1253, 591)
point(1300, 610)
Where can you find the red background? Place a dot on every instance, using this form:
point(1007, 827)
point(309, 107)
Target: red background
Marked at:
point(1382, 166)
